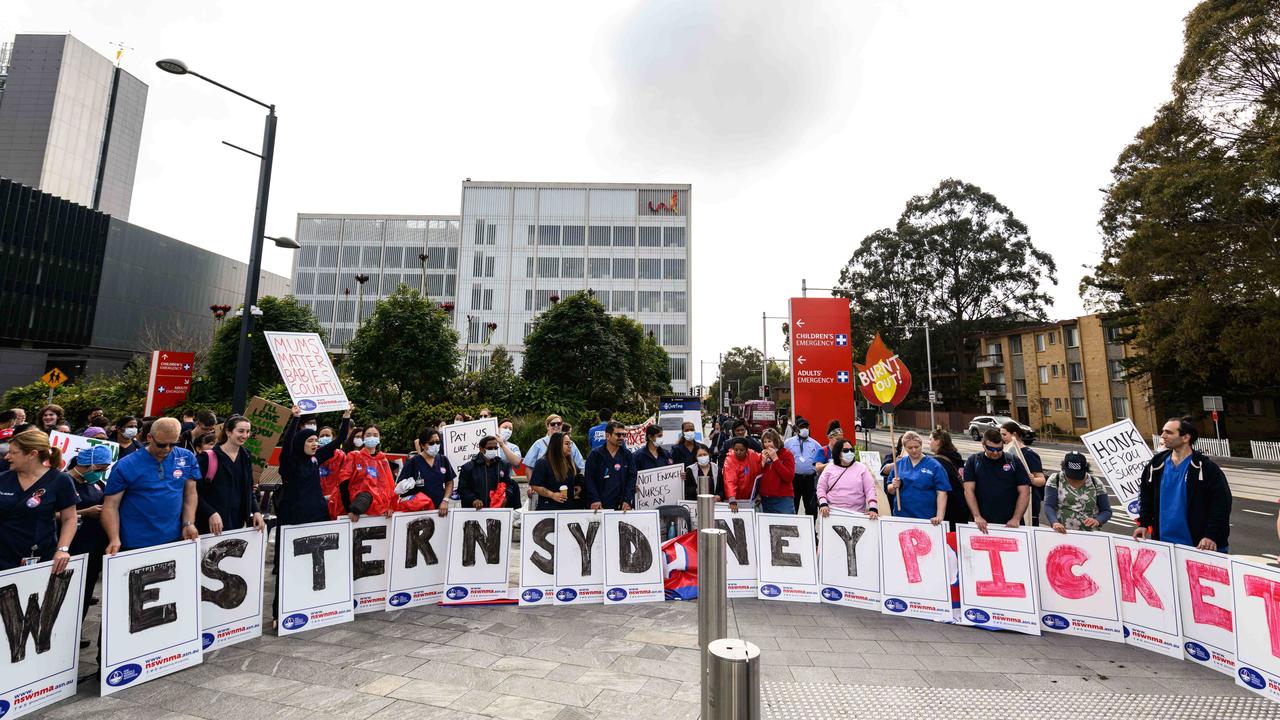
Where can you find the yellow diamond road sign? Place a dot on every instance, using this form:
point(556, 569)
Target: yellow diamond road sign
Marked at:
point(54, 378)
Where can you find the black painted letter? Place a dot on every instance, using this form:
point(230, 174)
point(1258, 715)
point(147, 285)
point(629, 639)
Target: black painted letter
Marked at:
point(736, 539)
point(585, 542)
point(779, 557)
point(359, 549)
point(39, 619)
point(141, 618)
point(316, 546)
point(635, 554)
point(419, 543)
point(234, 588)
point(850, 536)
point(545, 563)
point(488, 540)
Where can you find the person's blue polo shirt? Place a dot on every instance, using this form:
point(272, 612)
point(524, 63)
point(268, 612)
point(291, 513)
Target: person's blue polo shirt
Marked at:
point(151, 509)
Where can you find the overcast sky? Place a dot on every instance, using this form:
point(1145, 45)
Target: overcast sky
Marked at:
point(803, 126)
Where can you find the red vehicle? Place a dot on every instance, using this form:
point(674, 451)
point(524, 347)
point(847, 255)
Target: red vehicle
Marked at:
point(759, 415)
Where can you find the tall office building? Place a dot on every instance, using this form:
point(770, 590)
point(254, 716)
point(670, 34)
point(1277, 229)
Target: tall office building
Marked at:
point(515, 247)
point(71, 123)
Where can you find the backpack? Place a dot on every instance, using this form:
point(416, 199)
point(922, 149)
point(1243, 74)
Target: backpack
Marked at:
point(211, 465)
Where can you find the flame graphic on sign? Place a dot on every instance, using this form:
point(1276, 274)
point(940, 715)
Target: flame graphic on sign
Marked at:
point(884, 379)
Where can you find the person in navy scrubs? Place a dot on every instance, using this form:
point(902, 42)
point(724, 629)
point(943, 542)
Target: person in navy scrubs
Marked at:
point(33, 492)
point(87, 472)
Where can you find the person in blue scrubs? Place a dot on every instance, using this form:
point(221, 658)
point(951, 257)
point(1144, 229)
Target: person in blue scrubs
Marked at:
point(151, 497)
point(33, 492)
point(1183, 496)
point(919, 481)
point(595, 436)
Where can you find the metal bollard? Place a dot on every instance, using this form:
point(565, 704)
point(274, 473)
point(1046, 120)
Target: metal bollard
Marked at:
point(706, 509)
point(713, 616)
point(735, 681)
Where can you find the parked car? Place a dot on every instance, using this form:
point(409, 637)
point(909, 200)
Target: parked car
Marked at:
point(979, 425)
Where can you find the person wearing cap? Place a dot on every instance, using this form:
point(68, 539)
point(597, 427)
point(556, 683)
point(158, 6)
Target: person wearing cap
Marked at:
point(1183, 496)
point(87, 471)
point(1074, 499)
point(94, 432)
point(33, 492)
point(806, 451)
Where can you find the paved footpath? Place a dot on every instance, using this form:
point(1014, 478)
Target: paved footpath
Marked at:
point(640, 661)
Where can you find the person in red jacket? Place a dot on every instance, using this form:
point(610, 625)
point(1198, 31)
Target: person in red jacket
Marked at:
point(778, 467)
point(741, 468)
point(366, 485)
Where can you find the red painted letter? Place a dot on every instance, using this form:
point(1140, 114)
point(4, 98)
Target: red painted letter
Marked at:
point(997, 586)
point(1269, 591)
point(1059, 565)
point(1133, 576)
point(915, 544)
point(1202, 611)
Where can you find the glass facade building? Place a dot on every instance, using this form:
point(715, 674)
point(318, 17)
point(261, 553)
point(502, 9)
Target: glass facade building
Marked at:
point(514, 248)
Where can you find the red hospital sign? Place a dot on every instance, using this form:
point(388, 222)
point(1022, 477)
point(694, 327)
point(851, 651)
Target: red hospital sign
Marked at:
point(170, 380)
point(821, 362)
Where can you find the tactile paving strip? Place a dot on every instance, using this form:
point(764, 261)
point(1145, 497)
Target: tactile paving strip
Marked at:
point(796, 701)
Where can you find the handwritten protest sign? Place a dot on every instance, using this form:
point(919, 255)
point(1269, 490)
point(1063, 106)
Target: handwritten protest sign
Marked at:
point(741, 566)
point(849, 560)
point(370, 552)
point(38, 664)
point(997, 578)
point(477, 567)
point(1208, 611)
point(419, 551)
point(1148, 595)
point(307, 371)
point(537, 558)
point(70, 445)
point(231, 587)
point(462, 440)
point(914, 581)
point(1257, 592)
point(659, 486)
point(633, 558)
point(1079, 590)
point(315, 576)
point(1120, 452)
point(579, 565)
point(266, 421)
point(788, 556)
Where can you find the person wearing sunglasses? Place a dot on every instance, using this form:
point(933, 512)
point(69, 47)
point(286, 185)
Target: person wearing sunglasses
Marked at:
point(151, 497)
point(996, 485)
point(555, 424)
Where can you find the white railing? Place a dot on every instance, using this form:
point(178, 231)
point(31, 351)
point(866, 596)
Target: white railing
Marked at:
point(1209, 446)
point(1264, 450)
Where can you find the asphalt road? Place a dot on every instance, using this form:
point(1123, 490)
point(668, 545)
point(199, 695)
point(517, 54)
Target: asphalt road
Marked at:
point(1253, 511)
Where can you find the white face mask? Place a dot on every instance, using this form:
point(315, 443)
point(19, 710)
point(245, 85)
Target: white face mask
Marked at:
point(433, 450)
point(804, 433)
point(505, 433)
point(704, 460)
point(371, 442)
point(847, 456)
point(322, 441)
point(312, 426)
point(491, 454)
point(690, 435)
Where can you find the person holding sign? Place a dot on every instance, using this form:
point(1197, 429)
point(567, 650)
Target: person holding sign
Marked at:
point(486, 481)
point(1075, 500)
point(366, 485)
point(33, 491)
point(151, 496)
point(225, 492)
point(686, 450)
point(426, 482)
point(996, 486)
point(652, 455)
point(610, 482)
point(329, 453)
point(846, 484)
point(554, 478)
point(777, 470)
point(87, 471)
point(806, 451)
point(1183, 496)
point(742, 466)
point(919, 481)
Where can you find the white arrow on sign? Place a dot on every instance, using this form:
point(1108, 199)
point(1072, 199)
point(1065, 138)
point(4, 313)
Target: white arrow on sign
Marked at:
point(800, 359)
point(800, 323)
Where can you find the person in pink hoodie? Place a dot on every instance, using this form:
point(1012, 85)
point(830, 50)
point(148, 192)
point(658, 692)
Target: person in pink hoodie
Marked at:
point(846, 484)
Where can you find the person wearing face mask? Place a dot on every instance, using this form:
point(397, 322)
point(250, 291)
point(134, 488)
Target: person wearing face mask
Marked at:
point(702, 474)
point(225, 490)
point(329, 453)
point(125, 434)
point(806, 452)
point(846, 484)
point(510, 450)
point(366, 485)
point(309, 459)
point(685, 451)
point(652, 455)
point(151, 496)
point(426, 482)
point(354, 441)
point(554, 478)
point(87, 471)
point(486, 481)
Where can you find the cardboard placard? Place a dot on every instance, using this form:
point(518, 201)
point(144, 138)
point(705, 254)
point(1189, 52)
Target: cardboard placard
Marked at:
point(1120, 453)
point(741, 555)
point(370, 551)
point(538, 557)
point(71, 445)
point(1256, 592)
point(43, 669)
point(659, 486)
point(849, 560)
point(1207, 606)
point(633, 558)
point(315, 576)
point(1148, 595)
point(579, 566)
point(307, 371)
point(998, 578)
point(151, 614)
point(419, 557)
point(231, 587)
point(1076, 579)
point(462, 440)
point(479, 554)
point(266, 426)
point(788, 558)
point(914, 580)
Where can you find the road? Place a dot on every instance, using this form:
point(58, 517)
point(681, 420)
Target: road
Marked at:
point(1253, 512)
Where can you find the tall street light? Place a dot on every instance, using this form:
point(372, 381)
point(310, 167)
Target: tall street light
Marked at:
point(240, 395)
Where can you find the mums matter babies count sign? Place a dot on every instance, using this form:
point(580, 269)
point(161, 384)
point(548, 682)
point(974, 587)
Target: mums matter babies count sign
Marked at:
point(307, 371)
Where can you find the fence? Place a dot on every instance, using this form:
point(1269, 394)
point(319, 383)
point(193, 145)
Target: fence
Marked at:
point(1213, 447)
point(1264, 450)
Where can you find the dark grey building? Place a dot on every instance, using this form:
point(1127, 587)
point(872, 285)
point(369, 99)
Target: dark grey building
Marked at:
point(71, 123)
point(85, 292)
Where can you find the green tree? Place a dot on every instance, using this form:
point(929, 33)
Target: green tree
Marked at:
point(405, 351)
point(740, 373)
point(959, 261)
point(1190, 263)
point(648, 365)
point(573, 346)
point(279, 314)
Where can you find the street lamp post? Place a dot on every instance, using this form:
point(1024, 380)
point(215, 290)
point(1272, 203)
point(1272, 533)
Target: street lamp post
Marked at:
point(240, 394)
point(361, 279)
point(928, 355)
point(422, 260)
